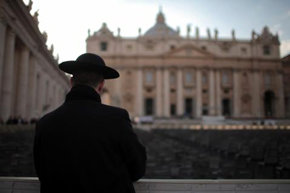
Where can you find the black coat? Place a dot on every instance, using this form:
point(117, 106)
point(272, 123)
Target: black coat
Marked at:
point(87, 147)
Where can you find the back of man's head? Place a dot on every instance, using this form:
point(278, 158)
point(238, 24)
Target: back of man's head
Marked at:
point(92, 79)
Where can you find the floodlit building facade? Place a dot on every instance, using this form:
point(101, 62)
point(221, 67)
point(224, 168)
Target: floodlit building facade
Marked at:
point(166, 75)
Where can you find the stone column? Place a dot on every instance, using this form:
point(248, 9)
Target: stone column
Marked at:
point(21, 98)
point(180, 101)
point(166, 90)
point(7, 78)
point(37, 93)
point(280, 108)
point(2, 51)
point(140, 101)
point(256, 108)
point(211, 93)
point(198, 94)
point(218, 94)
point(236, 93)
point(41, 94)
point(30, 108)
point(118, 91)
point(158, 92)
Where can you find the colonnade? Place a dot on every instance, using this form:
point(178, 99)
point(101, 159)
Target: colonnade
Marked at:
point(215, 90)
point(29, 86)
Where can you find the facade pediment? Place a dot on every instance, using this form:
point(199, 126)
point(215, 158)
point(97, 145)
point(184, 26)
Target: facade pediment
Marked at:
point(189, 51)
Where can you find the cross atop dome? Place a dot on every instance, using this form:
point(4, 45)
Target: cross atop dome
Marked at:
point(160, 17)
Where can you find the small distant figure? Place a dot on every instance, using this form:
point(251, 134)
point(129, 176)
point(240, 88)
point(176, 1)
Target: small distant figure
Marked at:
point(84, 146)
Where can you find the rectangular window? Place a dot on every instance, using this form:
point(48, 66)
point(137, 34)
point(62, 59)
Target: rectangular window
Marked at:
point(244, 50)
point(172, 47)
point(129, 47)
point(188, 77)
point(172, 78)
point(204, 78)
point(266, 50)
point(149, 77)
point(103, 46)
point(225, 79)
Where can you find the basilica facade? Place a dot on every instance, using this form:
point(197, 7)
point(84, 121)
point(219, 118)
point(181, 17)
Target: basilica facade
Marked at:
point(31, 83)
point(164, 74)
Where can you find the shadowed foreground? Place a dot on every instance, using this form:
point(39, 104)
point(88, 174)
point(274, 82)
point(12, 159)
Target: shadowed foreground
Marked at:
point(178, 154)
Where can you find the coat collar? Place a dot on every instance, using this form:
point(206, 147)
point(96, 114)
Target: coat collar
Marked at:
point(83, 92)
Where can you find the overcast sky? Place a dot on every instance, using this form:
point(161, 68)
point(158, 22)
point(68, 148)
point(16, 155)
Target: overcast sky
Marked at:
point(67, 21)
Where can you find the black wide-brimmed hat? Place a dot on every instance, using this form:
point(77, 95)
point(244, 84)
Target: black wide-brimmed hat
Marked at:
point(89, 62)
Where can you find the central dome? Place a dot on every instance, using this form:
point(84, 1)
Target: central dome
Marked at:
point(160, 29)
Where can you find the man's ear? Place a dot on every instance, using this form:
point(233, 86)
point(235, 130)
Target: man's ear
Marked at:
point(100, 86)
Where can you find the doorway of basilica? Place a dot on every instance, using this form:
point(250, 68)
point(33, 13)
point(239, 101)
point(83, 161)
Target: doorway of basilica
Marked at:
point(269, 103)
point(149, 106)
point(226, 107)
point(172, 109)
point(188, 107)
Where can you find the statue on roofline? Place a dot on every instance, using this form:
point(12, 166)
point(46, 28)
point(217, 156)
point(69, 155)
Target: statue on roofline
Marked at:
point(208, 33)
point(89, 32)
point(29, 6)
point(216, 32)
point(197, 33)
point(51, 49)
point(188, 29)
point(234, 34)
point(35, 17)
point(44, 34)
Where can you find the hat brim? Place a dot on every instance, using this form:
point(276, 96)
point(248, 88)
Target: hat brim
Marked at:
point(72, 67)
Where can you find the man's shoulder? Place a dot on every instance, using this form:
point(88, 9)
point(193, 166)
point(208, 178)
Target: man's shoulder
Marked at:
point(101, 111)
point(115, 110)
point(50, 115)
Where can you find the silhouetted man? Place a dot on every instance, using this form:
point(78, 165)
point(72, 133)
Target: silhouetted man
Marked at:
point(85, 146)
